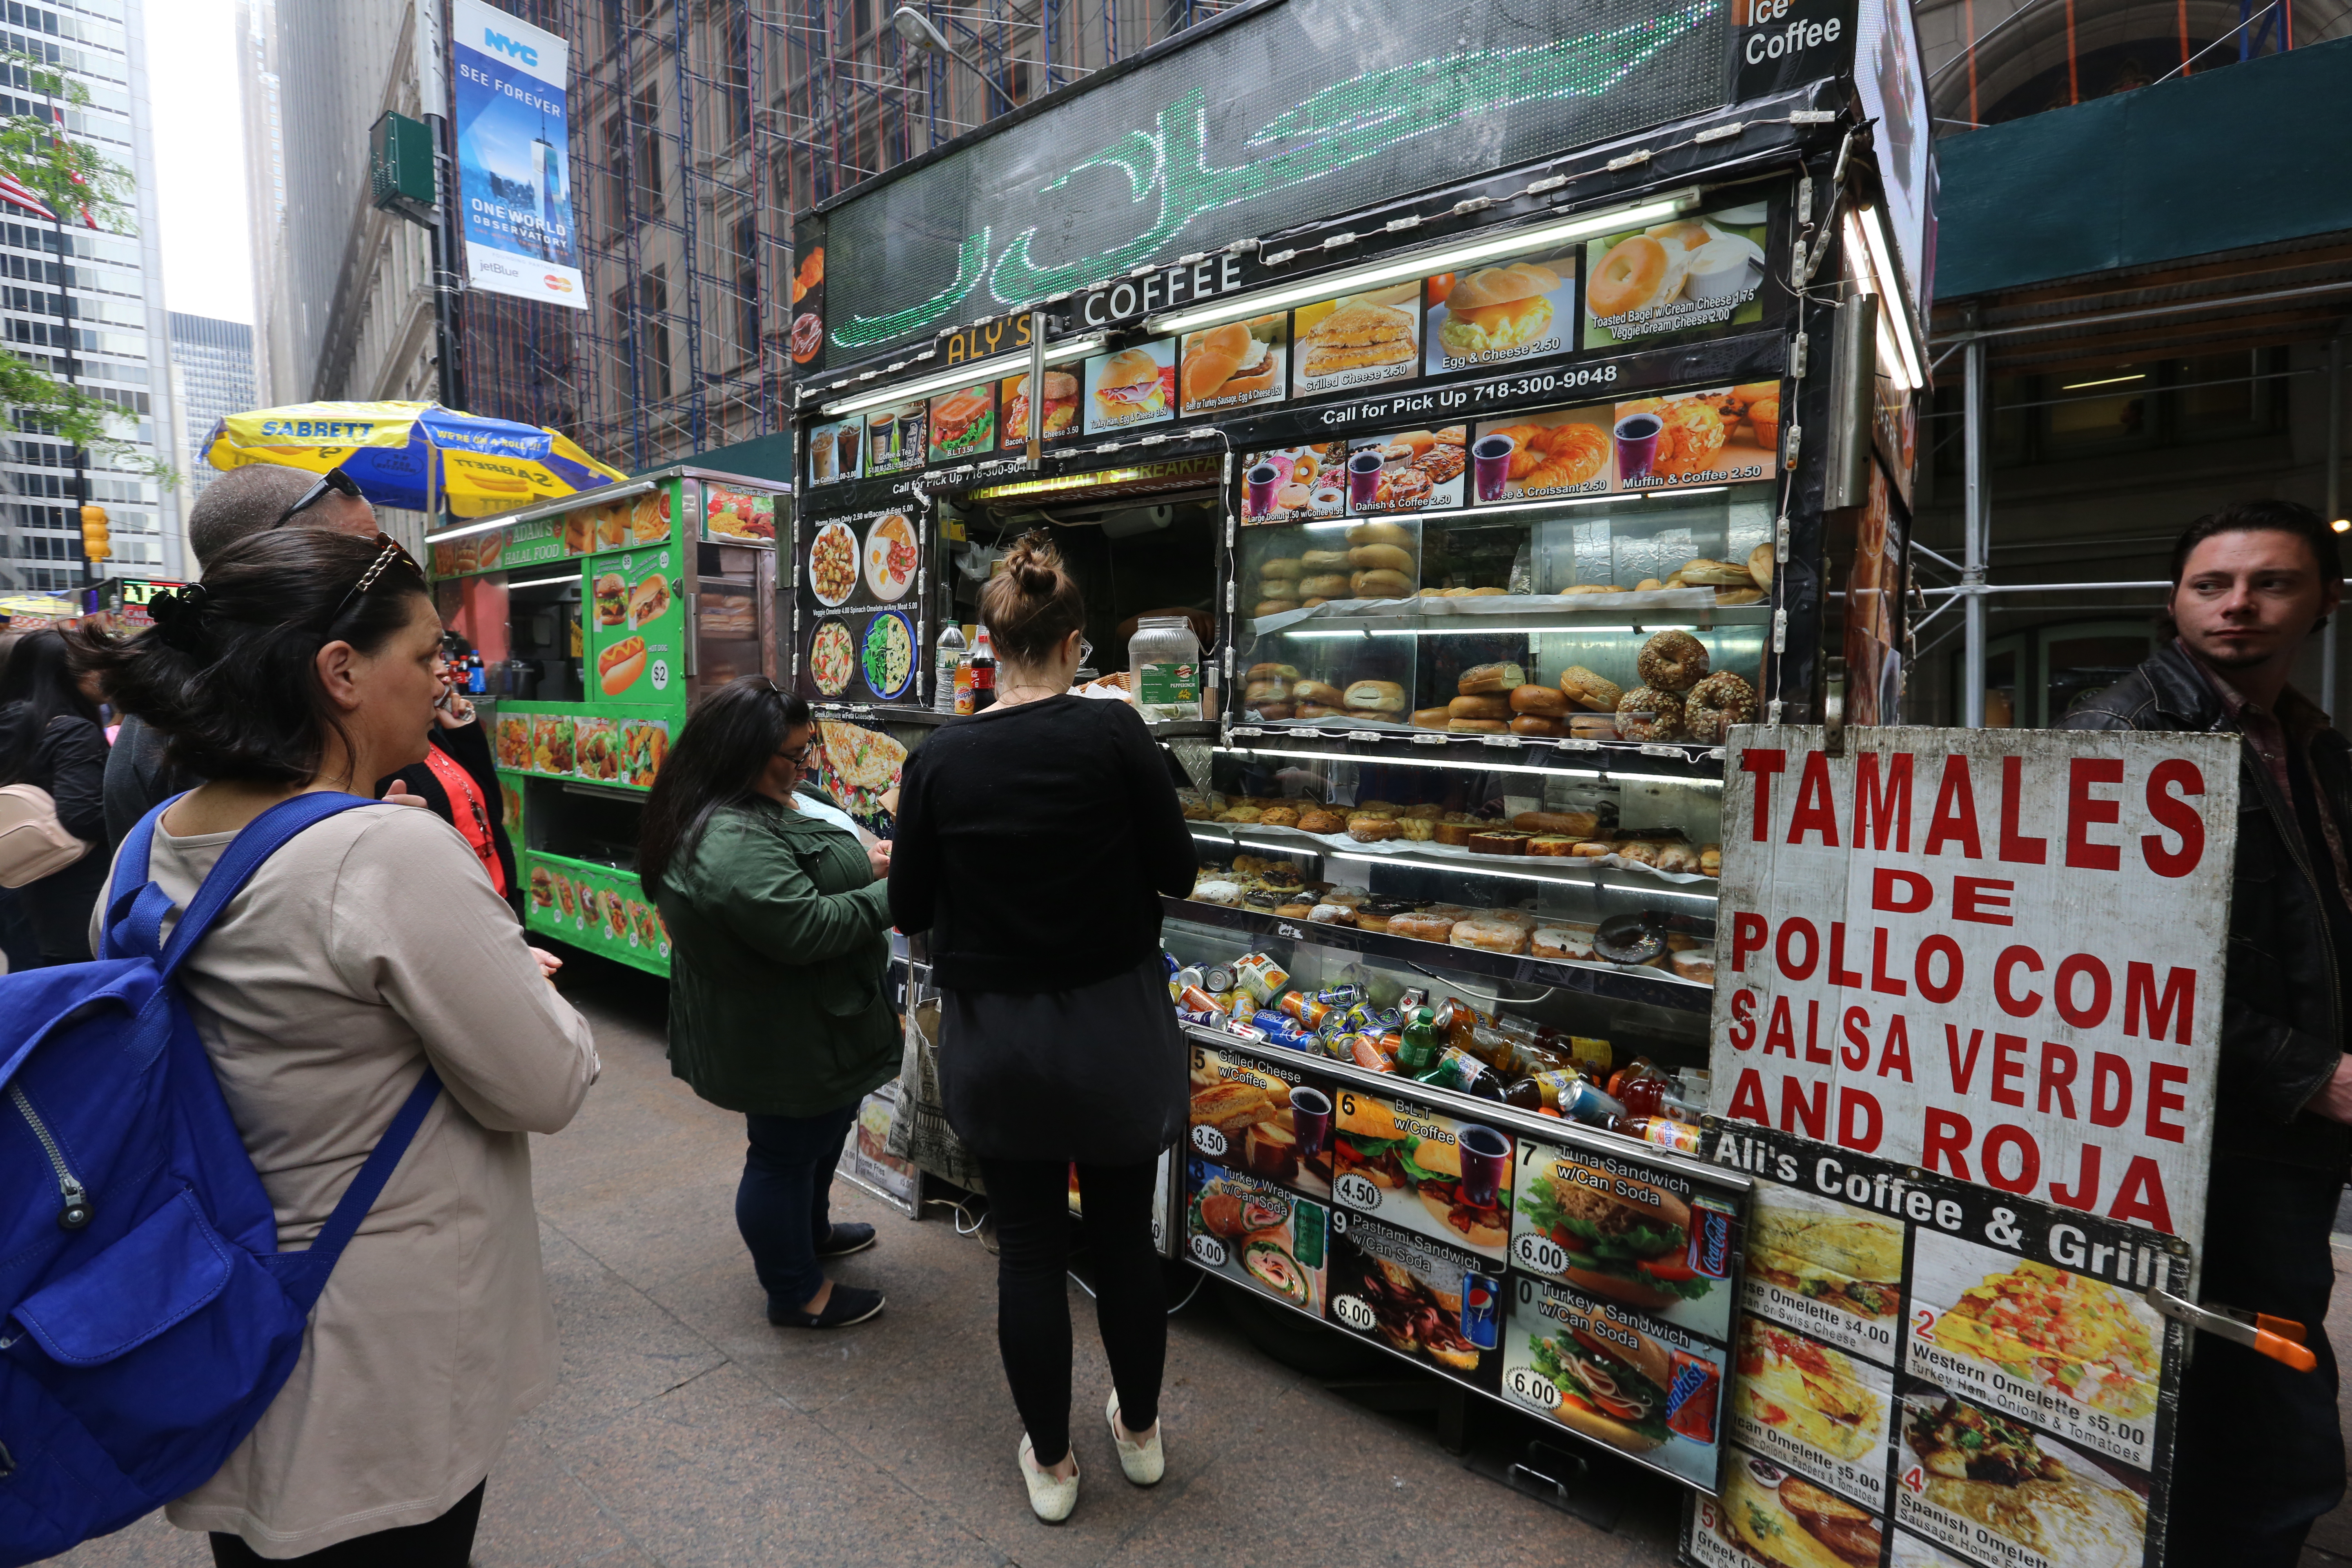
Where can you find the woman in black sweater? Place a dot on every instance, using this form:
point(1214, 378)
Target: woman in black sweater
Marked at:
point(50, 738)
point(1034, 841)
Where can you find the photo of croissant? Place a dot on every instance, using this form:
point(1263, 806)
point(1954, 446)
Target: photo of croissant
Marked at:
point(1547, 460)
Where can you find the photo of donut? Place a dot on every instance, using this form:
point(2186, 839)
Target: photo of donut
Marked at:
point(1705, 271)
point(1295, 484)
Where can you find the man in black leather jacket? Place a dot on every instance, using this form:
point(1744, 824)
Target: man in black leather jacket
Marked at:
point(2259, 1454)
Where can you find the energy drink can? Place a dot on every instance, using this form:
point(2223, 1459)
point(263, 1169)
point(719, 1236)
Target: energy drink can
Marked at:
point(1481, 1295)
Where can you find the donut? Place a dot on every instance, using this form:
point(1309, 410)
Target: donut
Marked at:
point(1628, 278)
point(1664, 709)
point(1672, 661)
point(1493, 936)
point(1715, 704)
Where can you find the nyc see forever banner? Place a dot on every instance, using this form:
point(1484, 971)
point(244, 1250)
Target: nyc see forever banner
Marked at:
point(514, 178)
point(1994, 955)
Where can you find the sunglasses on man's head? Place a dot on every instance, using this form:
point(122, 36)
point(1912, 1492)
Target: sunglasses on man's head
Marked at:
point(334, 479)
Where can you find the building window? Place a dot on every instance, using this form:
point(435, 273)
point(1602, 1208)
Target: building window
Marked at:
point(653, 325)
point(645, 111)
point(747, 285)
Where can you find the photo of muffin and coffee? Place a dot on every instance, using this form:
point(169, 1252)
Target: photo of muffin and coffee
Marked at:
point(1703, 270)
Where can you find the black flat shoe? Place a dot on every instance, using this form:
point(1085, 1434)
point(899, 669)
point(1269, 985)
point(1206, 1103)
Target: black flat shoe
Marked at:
point(845, 1240)
point(848, 1304)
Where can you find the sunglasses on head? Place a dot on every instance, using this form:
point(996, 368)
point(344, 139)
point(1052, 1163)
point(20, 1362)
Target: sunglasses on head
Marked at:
point(388, 551)
point(334, 479)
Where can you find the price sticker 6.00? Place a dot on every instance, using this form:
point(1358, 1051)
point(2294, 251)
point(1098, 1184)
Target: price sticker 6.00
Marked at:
point(1355, 1312)
point(1532, 1387)
point(1208, 1249)
point(1540, 1253)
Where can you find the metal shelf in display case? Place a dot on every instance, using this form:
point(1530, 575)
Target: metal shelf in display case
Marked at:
point(1396, 744)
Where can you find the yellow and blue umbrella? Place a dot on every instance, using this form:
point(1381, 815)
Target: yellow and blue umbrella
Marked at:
point(419, 455)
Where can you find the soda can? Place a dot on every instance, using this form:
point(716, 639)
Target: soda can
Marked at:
point(1195, 1000)
point(1711, 1225)
point(1665, 1132)
point(1304, 1009)
point(1480, 1295)
point(1412, 997)
point(1243, 1031)
point(1341, 1044)
point(1208, 1018)
point(1585, 1101)
point(1693, 1394)
point(1340, 996)
point(1244, 1008)
point(1217, 977)
point(1193, 975)
point(1169, 959)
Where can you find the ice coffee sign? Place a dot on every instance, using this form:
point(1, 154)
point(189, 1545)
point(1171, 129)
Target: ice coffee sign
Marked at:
point(1997, 957)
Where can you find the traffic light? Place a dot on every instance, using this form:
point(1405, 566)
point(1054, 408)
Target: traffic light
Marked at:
point(93, 533)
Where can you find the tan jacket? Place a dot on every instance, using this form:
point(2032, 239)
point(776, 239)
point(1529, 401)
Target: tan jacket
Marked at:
point(369, 943)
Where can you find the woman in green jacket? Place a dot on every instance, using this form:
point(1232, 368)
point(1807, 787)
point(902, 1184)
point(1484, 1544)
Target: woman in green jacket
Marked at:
point(779, 999)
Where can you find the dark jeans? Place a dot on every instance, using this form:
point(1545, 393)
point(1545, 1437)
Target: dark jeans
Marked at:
point(1029, 1201)
point(444, 1543)
point(18, 941)
point(2259, 1455)
point(783, 1205)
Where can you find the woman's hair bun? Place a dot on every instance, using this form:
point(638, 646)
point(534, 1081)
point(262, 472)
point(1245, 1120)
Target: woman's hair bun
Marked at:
point(1034, 603)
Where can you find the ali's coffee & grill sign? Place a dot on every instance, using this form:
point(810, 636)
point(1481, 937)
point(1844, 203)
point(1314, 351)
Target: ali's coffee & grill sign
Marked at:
point(1997, 957)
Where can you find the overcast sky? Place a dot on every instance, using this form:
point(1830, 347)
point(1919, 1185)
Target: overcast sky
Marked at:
point(199, 138)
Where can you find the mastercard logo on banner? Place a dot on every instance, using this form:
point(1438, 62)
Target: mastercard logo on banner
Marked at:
point(559, 285)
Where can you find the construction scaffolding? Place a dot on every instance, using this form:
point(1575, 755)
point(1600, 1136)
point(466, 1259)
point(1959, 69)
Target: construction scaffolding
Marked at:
point(699, 127)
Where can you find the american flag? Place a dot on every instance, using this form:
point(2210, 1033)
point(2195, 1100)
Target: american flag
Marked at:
point(13, 189)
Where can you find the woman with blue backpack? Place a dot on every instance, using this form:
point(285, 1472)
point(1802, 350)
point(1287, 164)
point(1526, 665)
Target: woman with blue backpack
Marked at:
point(363, 959)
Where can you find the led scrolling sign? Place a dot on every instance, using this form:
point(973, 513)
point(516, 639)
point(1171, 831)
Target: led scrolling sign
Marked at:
point(1129, 202)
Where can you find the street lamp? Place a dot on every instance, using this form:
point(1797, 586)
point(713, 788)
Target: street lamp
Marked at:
point(917, 31)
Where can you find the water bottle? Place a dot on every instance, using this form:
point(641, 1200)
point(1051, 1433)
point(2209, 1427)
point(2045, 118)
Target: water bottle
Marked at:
point(951, 655)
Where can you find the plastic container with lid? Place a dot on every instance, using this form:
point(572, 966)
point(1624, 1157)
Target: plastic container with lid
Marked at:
point(1163, 658)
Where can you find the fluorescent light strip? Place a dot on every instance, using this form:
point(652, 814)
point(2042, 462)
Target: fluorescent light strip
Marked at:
point(1529, 876)
point(969, 374)
point(1422, 263)
point(1474, 767)
point(469, 528)
point(544, 581)
point(2110, 381)
point(1882, 257)
point(1632, 617)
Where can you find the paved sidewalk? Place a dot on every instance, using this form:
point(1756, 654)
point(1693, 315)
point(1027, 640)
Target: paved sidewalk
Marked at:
point(688, 1431)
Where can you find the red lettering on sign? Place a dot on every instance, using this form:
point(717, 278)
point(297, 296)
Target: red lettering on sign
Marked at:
point(2103, 991)
point(1855, 1053)
point(1946, 948)
point(1979, 899)
point(2058, 1065)
point(1956, 812)
point(2008, 1063)
point(1880, 981)
point(1944, 1145)
point(1792, 926)
point(2111, 1090)
point(1999, 1141)
point(1748, 930)
point(1747, 1098)
point(1900, 892)
point(1895, 1055)
point(1815, 1051)
point(2172, 1010)
point(1805, 1107)
point(2176, 814)
point(2086, 1192)
point(2161, 1077)
point(1859, 1122)
point(1763, 763)
point(1743, 1021)
point(1814, 813)
point(2141, 1196)
point(1839, 976)
point(1777, 1034)
point(2015, 846)
point(1964, 1068)
point(1885, 808)
point(2012, 959)
point(2085, 811)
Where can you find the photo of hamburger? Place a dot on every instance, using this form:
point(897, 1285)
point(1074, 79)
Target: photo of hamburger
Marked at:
point(1061, 412)
point(648, 601)
point(542, 888)
point(612, 596)
point(963, 422)
point(1129, 388)
point(1238, 363)
point(1498, 311)
point(1618, 1248)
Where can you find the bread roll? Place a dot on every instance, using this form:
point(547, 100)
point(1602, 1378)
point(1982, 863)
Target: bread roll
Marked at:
point(1380, 584)
point(1317, 710)
point(1536, 724)
point(1318, 692)
point(1759, 565)
point(1541, 701)
point(1491, 678)
point(1379, 534)
point(1281, 566)
point(1324, 560)
point(1589, 688)
point(1275, 710)
point(1365, 557)
point(1265, 692)
point(1274, 606)
point(1326, 586)
point(1384, 697)
point(1477, 726)
point(1479, 708)
point(1273, 672)
point(1575, 824)
point(1430, 718)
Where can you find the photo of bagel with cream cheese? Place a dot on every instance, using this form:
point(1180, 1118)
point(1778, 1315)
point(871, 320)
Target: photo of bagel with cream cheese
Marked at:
point(1702, 270)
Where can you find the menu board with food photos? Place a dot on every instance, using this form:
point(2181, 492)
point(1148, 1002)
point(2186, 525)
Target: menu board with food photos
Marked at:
point(858, 608)
point(837, 451)
point(1357, 341)
point(1257, 1234)
point(1270, 1118)
point(1619, 1377)
point(1671, 281)
point(1133, 387)
point(592, 526)
point(733, 516)
point(1932, 1372)
point(1424, 1172)
point(894, 437)
point(963, 422)
point(1440, 1305)
point(1058, 418)
point(599, 908)
point(624, 750)
point(1512, 309)
point(1239, 364)
point(636, 627)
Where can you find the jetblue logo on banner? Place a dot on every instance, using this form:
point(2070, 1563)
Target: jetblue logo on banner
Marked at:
point(500, 44)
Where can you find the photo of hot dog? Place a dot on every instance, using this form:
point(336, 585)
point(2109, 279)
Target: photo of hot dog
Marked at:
point(619, 667)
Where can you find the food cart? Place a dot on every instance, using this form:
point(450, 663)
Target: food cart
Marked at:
point(599, 619)
point(1514, 413)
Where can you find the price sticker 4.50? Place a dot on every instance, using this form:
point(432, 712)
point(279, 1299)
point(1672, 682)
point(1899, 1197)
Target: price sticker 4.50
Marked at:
point(1355, 1191)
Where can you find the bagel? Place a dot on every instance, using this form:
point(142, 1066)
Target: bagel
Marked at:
point(1540, 701)
point(1367, 557)
point(1288, 566)
point(1319, 692)
point(1477, 726)
point(1324, 560)
point(1379, 534)
point(1716, 703)
point(1380, 584)
point(1329, 586)
point(1664, 709)
point(1480, 707)
point(1274, 606)
point(1673, 661)
point(1630, 276)
point(1537, 725)
point(1432, 717)
point(1590, 689)
point(1273, 672)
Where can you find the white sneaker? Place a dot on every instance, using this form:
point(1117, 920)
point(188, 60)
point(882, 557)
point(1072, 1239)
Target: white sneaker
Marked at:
point(1143, 1461)
point(1051, 1497)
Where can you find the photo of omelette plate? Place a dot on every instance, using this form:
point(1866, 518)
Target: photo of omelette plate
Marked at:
point(1808, 1392)
point(890, 656)
point(2098, 1345)
point(2018, 1486)
point(1788, 1522)
point(832, 658)
point(1828, 1251)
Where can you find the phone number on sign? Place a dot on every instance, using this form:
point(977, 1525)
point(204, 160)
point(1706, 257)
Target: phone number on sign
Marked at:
point(1533, 386)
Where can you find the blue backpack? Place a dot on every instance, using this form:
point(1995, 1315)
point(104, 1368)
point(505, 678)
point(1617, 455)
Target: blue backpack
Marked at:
point(147, 1317)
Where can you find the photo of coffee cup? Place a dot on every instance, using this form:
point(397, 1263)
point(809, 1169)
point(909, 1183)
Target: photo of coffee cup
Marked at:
point(1364, 476)
point(1637, 444)
point(847, 441)
point(1310, 1119)
point(823, 456)
point(1724, 268)
point(1491, 456)
point(1261, 490)
point(1486, 1160)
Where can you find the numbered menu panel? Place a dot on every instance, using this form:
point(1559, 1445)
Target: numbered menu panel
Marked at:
point(1423, 1173)
point(595, 907)
point(858, 615)
point(637, 620)
point(1440, 1304)
point(1271, 1119)
point(1616, 1376)
point(1628, 1232)
point(1257, 1234)
point(1933, 1372)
